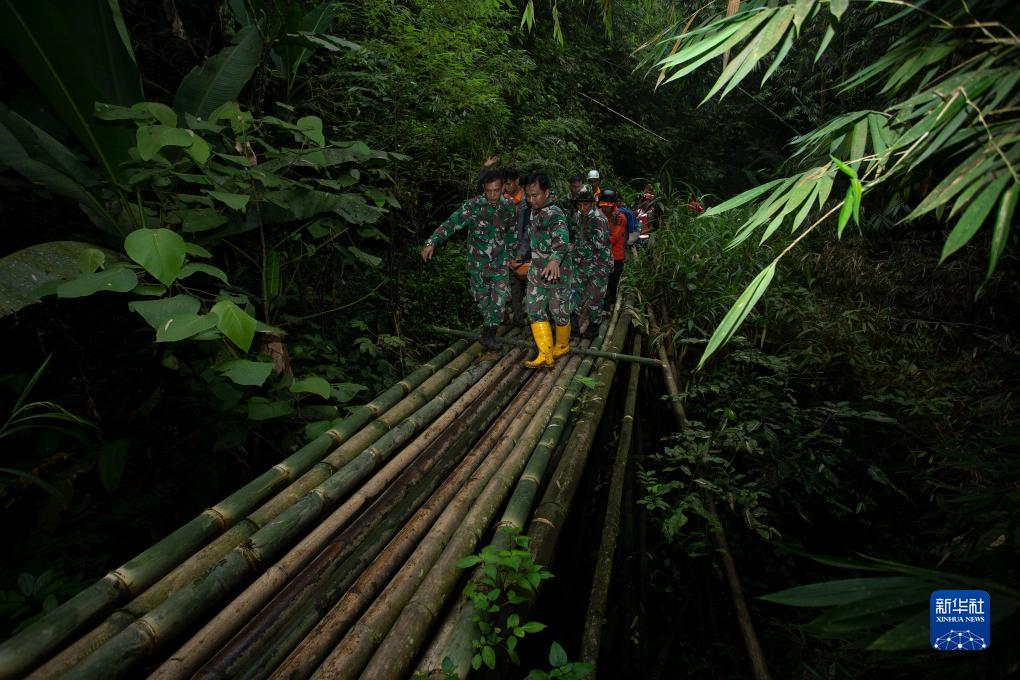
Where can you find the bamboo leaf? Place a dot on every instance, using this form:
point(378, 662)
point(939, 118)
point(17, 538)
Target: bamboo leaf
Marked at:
point(838, 8)
point(742, 198)
point(830, 33)
point(738, 312)
point(845, 211)
point(840, 592)
point(858, 142)
point(234, 323)
point(1003, 222)
point(221, 79)
point(801, 11)
point(973, 217)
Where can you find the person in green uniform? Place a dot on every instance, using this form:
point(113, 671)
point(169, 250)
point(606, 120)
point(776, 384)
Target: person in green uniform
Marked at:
point(548, 294)
point(592, 262)
point(487, 219)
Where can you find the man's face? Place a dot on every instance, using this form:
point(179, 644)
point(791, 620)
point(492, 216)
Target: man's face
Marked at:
point(537, 196)
point(575, 187)
point(511, 186)
point(585, 207)
point(492, 191)
point(594, 183)
point(607, 208)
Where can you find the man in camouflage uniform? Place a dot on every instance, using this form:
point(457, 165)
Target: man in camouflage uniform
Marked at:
point(487, 217)
point(592, 261)
point(548, 275)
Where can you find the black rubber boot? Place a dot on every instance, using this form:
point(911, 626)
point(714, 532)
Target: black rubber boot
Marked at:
point(489, 337)
point(591, 331)
point(575, 326)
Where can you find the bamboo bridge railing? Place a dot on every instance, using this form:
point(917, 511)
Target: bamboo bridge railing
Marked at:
point(338, 561)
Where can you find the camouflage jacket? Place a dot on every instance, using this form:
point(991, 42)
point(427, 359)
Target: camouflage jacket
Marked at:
point(487, 230)
point(550, 240)
point(589, 239)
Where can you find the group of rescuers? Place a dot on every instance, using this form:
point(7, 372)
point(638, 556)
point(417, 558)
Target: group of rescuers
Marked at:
point(551, 260)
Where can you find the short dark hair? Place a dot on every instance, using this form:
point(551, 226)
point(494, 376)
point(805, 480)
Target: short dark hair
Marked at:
point(489, 176)
point(575, 178)
point(539, 178)
point(511, 173)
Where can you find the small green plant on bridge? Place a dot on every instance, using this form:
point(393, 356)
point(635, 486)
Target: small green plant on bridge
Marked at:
point(506, 576)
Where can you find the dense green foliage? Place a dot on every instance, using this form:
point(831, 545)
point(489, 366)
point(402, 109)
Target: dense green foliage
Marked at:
point(212, 213)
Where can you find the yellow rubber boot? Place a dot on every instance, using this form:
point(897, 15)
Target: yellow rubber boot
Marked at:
point(542, 330)
point(562, 345)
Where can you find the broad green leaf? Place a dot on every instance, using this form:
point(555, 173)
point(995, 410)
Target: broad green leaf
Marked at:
point(159, 251)
point(149, 289)
point(312, 384)
point(184, 326)
point(973, 217)
point(260, 408)
point(1003, 222)
point(234, 323)
point(63, 52)
point(112, 279)
point(370, 260)
point(199, 150)
point(156, 312)
point(200, 219)
point(839, 592)
point(311, 127)
point(557, 655)
point(738, 312)
point(91, 259)
point(222, 78)
point(244, 372)
point(161, 112)
point(344, 392)
point(198, 268)
point(196, 250)
point(235, 201)
point(152, 138)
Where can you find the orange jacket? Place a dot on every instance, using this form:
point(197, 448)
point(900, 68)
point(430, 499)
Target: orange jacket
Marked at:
point(618, 234)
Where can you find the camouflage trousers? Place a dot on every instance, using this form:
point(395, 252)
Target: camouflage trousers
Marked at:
point(543, 302)
point(491, 293)
point(588, 293)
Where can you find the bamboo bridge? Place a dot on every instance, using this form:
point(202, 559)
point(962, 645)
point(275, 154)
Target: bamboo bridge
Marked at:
point(340, 561)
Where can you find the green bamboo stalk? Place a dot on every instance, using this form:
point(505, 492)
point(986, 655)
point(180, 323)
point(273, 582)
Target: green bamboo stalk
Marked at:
point(454, 638)
point(31, 646)
point(244, 610)
point(759, 666)
point(595, 619)
point(487, 487)
point(482, 459)
point(512, 342)
point(398, 650)
point(547, 521)
point(151, 632)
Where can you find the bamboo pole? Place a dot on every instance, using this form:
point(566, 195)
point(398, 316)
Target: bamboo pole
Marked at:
point(456, 524)
point(595, 619)
point(512, 342)
point(458, 630)
point(31, 646)
point(152, 631)
point(399, 648)
point(483, 459)
point(547, 521)
point(480, 462)
point(759, 667)
point(443, 443)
